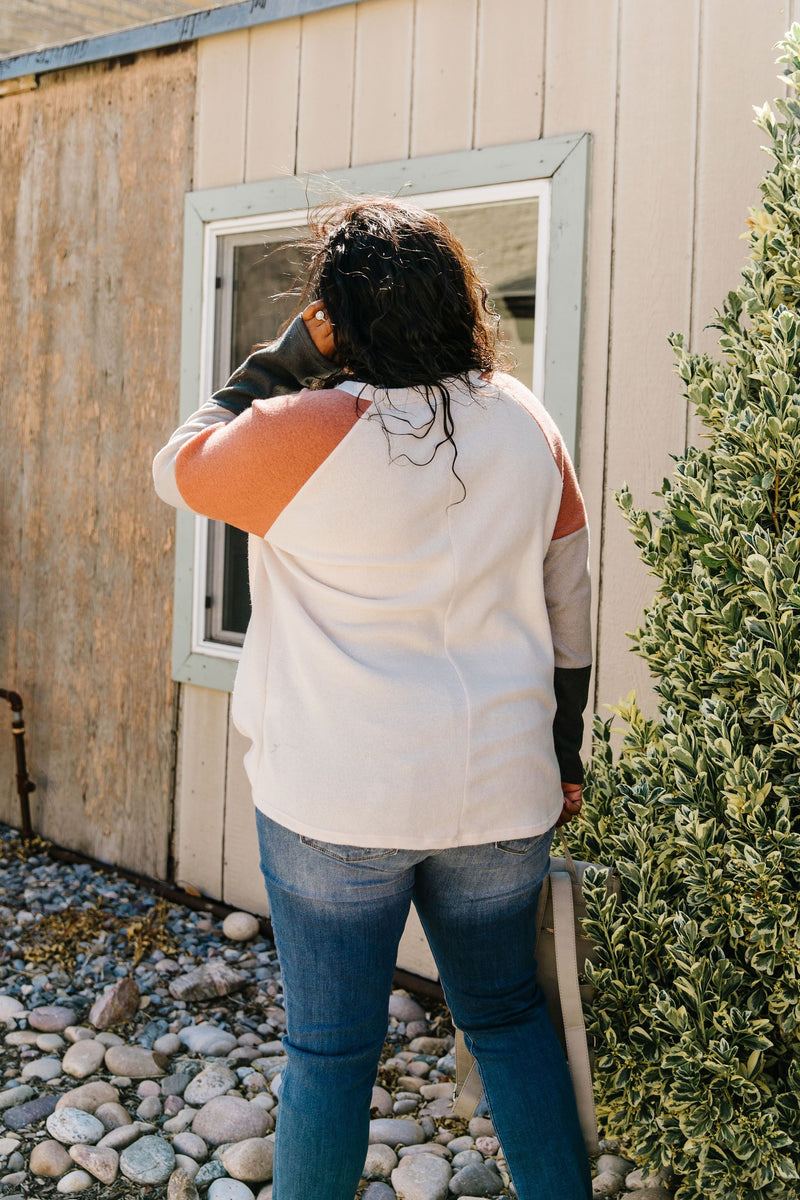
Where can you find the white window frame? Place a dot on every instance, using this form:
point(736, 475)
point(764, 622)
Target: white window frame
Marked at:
point(553, 169)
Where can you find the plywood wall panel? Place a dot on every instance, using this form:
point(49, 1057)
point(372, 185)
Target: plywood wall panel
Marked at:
point(382, 108)
point(200, 789)
point(242, 881)
point(91, 296)
point(442, 115)
point(273, 68)
point(221, 105)
point(581, 94)
point(325, 117)
point(510, 69)
point(651, 290)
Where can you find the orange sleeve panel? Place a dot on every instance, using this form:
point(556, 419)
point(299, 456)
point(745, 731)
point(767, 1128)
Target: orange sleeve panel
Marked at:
point(247, 471)
point(572, 513)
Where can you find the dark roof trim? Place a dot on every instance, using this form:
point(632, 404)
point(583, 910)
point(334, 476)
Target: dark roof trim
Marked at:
point(169, 32)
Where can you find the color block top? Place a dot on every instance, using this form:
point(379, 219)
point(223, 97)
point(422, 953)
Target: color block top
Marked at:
point(417, 658)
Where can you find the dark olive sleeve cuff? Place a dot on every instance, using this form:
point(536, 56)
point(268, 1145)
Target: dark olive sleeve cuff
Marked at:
point(571, 685)
point(286, 365)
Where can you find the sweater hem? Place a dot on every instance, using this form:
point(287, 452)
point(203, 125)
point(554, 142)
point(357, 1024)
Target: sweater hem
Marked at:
point(386, 841)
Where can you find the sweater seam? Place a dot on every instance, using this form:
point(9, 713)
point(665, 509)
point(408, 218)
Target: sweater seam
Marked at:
point(458, 674)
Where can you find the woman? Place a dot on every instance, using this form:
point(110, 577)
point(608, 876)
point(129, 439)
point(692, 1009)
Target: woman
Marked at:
point(412, 679)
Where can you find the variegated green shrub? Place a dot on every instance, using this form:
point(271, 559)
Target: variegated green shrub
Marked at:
point(697, 1009)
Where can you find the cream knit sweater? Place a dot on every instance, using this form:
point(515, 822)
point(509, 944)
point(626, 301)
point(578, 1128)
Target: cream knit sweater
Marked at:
point(399, 677)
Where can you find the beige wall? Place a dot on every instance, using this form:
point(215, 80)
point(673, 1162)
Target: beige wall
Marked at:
point(94, 167)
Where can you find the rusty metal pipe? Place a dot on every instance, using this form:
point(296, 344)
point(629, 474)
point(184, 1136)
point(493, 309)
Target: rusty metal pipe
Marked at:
point(25, 784)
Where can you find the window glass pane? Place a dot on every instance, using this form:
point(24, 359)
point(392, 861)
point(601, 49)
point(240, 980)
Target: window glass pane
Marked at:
point(263, 277)
point(501, 236)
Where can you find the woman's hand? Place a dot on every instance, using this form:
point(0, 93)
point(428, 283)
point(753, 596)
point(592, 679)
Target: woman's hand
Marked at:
point(573, 799)
point(318, 325)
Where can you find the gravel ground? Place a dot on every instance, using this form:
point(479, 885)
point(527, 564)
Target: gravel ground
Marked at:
point(71, 932)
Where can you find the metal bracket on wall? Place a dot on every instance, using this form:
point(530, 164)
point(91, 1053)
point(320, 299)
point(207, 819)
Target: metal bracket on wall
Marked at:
point(25, 784)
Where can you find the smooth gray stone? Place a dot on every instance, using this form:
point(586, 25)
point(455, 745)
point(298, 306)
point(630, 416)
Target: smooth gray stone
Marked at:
point(14, 1097)
point(422, 1177)
point(379, 1191)
point(210, 1171)
point(30, 1112)
point(148, 1160)
point(73, 1125)
point(478, 1179)
point(401, 1132)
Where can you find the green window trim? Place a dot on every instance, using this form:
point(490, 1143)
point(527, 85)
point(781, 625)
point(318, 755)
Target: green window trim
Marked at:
point(563, 161)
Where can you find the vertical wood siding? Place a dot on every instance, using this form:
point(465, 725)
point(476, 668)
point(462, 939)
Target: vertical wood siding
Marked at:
point(95, 164)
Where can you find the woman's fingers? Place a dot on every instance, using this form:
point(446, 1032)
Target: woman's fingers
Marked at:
point(319, 326)
point(573, 799)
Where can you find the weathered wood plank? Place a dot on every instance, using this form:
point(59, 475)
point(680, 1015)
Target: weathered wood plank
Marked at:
point(443, 100)
point(221, 106)
point(382, 109)
point(274, 66)
point(325, 117)
point(651, 290)
point(89, 295)
point(200, 789)
point(510, 74)
point(242, 882)
point(580, 94)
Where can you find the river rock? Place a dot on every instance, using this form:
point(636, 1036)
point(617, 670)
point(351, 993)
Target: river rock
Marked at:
point(71, 1125)
point(606, 1183)
point(214, 1080)
point(89, 1096)
point(125, 1135)
point(135, 1062)
point(117, 1004)
point(377, 1191)
point(240, 926)
point(229, 1119)
point(381, 1105)
point(250, 1160)
point(427, 1148)
point(191, 1144)
point(10, 1007)
point(381, 1160)
point(229, 1189)
point(30, 1112)
point(74, 1182)
point(168, 1044)
point(403, 1008)
point(206, 982)
point(14, 1096)
point(209, 1171)
point(113, 1115)
point(49, 1159)
point(83, 1058)
point(396, 1132)
point(148, 1160)
point(42, 1068)
point(51, 1018)
point(648, 1193)
point(422, 1177)
point(181, 1186)
point(100, 1161)
point(477, 1179)
point(207, 1039)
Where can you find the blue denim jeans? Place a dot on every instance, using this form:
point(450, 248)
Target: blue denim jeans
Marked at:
point(338, 913)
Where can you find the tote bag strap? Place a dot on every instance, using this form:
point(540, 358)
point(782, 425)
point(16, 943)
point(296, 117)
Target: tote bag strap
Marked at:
point(571, 1009)
point(468, 1089)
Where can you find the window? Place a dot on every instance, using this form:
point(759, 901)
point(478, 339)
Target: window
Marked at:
point(241, 262)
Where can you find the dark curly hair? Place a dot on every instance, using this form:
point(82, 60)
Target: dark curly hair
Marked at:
point(406, 302)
